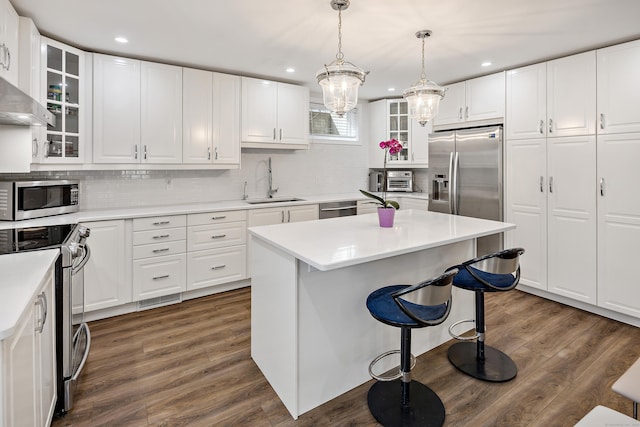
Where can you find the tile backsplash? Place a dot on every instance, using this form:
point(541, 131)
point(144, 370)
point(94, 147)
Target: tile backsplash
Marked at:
point(322, 169)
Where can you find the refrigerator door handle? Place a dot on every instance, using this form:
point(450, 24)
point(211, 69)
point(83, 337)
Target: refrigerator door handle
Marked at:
point(451, 183)
point(454, 187)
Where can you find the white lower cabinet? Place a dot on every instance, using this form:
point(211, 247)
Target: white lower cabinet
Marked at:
point(618, 222)
point(107, 275)
point(27, 359)
point(217, 250)
point(159, 258)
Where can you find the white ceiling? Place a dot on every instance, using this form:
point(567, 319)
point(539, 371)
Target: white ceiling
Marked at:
point(262, 38)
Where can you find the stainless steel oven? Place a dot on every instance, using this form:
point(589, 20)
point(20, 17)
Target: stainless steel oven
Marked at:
point(399, 181)
point(35, 199)
point(73, 339)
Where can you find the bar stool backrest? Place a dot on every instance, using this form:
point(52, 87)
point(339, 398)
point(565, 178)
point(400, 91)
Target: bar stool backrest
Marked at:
point(431, 293)
point(502, 262)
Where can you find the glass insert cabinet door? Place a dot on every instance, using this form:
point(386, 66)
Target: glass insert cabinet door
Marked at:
point(63, 72)
point(398, 126)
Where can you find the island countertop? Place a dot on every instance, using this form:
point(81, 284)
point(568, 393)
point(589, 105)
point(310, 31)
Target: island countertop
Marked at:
point(330, 244)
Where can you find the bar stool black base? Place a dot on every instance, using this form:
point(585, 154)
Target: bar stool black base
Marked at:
point(496, 367)
point(425, 410)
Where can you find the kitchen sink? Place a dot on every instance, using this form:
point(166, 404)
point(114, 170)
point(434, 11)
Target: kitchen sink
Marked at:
point(274, 200)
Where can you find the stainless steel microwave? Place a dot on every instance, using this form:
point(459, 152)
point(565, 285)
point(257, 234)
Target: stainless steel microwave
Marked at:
point(399, 181)
point(35, 199)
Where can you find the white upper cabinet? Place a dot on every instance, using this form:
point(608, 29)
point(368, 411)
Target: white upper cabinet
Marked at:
point(116, 109)
point(63, 89)
point(211, 118)
point(274, 114)
point(552, 99)
point(476, 101)
point(9, 39)
point(619, 88)
point(161, 113)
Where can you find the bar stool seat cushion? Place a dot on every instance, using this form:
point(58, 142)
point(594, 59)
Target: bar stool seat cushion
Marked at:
point(628, 384)
point(465, 280)
point(601, 416)
point(383, 308)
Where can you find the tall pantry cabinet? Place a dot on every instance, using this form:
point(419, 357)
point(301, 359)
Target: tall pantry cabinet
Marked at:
point(571, 175)
point(551, 150)
point(618, 176)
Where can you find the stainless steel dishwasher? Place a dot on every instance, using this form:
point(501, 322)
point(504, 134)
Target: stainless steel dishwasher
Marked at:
point(337, 209)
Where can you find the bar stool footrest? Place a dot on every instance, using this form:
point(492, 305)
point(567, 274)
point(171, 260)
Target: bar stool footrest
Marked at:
point(462, 337)
point(425, 408)
point(496, 366)
point(389, 377)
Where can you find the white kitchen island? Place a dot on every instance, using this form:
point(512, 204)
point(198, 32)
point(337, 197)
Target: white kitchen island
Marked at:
point(311, 333)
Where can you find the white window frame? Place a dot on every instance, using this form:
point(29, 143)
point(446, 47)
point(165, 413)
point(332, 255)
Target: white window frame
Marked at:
point(339, 140)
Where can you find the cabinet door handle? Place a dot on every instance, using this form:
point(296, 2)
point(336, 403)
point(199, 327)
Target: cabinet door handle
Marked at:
point(135, 152)
point(145, 151)
point(155, 251)
point(216, 150)
point(162, 222)
point(602, 187)
point(288, 216)
point(550, 125)
point(541, 128)
point(218, 267)
point(35, 148)
point(282, 216)
point(218, 236)
point(541, 184)
point(162, 236)
point(208, 153)
point(47, 144)
point(8, 66)
point(550, 184)
point(460, 114)
point(274, 134)
point(219, 217)
point(280, 134)
point(601, 120)
point(166, 276)
point(42, 302)
point(466, 112)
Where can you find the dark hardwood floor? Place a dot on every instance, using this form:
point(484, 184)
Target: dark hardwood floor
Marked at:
point(189, 365)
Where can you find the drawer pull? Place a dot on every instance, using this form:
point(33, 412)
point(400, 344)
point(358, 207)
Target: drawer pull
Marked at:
point(166, 276)
point(155, 251)
point(162, 222)
point(219, 217)
point(162, 236)
point(218, 267)
point(218, 236)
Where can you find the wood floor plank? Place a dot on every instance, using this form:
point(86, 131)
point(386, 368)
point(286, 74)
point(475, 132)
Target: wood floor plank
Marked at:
point(189, 364)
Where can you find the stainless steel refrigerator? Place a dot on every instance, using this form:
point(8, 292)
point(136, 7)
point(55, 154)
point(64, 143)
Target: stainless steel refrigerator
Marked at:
point(465, 177)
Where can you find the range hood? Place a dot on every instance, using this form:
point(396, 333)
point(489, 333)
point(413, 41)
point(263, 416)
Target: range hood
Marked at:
point(18, 108)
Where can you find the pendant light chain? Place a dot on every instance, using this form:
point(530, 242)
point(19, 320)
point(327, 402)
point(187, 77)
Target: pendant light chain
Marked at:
point(340, 55)
point(423, 76)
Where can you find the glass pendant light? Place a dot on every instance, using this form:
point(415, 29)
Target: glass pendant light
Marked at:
point(423, 98)
point(340, 79)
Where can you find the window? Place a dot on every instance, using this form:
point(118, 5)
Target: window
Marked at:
point(323, 124)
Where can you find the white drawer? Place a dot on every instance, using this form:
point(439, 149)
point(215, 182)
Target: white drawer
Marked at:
point(202, 237)
point(154, 223)
point(154, 277)
point(216, 266)
point(216, 217)
point(159, 236)
point(159, 249)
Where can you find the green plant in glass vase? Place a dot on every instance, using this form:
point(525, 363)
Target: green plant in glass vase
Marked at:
point(392, 146)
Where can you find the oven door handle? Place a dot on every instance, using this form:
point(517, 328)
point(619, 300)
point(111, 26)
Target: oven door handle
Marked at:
point(85, 355)
point(85, 259)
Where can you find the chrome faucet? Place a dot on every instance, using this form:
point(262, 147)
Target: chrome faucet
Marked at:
point(271, 190)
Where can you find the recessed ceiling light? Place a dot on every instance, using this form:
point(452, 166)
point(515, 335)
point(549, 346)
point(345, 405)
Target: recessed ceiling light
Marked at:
point(290, 70)
point(121, 40)
point(392, 89)
point(486, 63)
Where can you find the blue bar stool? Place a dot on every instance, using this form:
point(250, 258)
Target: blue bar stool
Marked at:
point(396, 400)
point(496, 272)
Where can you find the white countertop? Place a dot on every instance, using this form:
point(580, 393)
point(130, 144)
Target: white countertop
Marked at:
point(341, 242)
point(20, 276)
point(181, 209)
